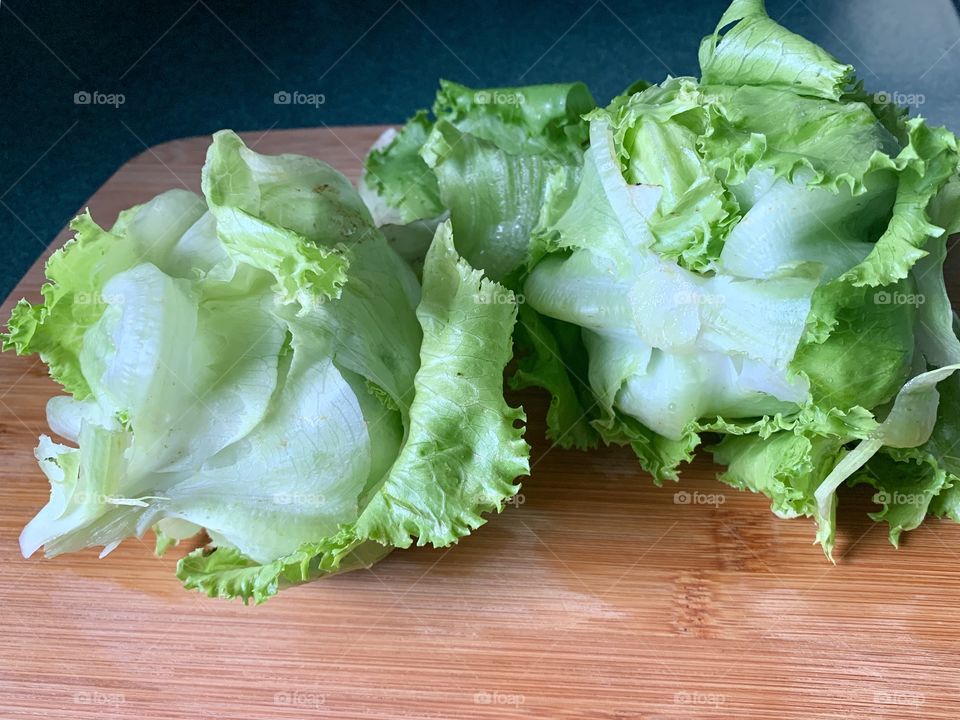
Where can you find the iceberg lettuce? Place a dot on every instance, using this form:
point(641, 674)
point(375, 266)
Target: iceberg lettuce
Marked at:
point(260, 364)
point(757, 255)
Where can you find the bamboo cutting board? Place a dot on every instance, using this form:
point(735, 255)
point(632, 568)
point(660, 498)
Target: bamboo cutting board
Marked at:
point(596, 595)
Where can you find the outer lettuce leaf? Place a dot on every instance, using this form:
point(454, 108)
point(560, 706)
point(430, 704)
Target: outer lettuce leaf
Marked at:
point(531, 119)
point(914, 482)
point(869, 351)
point(303, 195)
point(930, 160)
point(812, 420)
point(786, 467)
point(941, 449)
point(758, 51)
point(72, 302)
point(228, 573)
point(906, 485)
point(379, 298)
point(283, 214)
point(909, 424)
point(460, 456)
point(493, 156)
point(464, 447)
point(785, 457)
point(830, 144)
point(502, 160)
point(546, 349)
point(494, 197)
point(793, 228)
point(936, 338)
point(538, 119)
point(658, 455)
point(397, 177)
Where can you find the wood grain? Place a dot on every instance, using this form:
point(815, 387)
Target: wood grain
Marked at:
point(600, 596)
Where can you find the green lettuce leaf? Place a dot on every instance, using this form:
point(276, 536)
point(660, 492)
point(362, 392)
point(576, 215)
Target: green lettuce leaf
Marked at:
point(545, 347)
point(460, 456)
point(787, 467)
point(657, 133)
point(397, 184)
point(910, 423)
point(756, 50)
point(494, 197)
point(491, 158)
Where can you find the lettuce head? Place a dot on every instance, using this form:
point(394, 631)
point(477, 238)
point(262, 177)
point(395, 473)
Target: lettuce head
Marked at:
point(258, 363)
point(755, 257)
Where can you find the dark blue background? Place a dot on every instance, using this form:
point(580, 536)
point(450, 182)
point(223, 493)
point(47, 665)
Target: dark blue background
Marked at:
point(189, 68)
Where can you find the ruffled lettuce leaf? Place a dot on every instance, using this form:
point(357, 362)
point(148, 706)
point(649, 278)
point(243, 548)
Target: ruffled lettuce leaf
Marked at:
point(527, 119)
point(657, 133)
point(786, 466)
point(550, 356)
point(915, 482)
point(397, 184)
point(490, 158)
point(494, 197)
point(910, 423)
point(73, 297)
point(460, 456)
point(749, 48)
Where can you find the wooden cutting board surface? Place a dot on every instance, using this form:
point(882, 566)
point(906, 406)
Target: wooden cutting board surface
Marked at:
point(597, 596)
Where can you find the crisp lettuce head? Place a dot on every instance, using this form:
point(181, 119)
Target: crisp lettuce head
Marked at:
point(259, 363)
point(757, 255)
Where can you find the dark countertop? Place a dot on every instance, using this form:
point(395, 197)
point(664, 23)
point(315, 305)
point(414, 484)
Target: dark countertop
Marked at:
point(190, 67)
